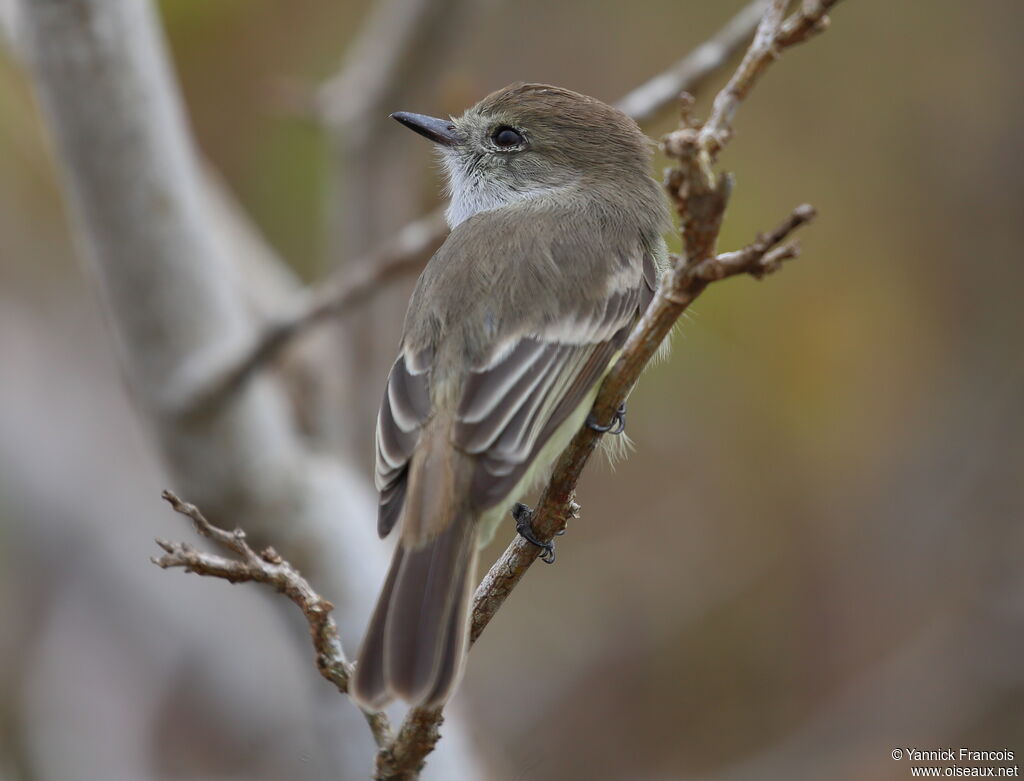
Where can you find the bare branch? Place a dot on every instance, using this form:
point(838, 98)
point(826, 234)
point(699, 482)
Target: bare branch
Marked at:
point(154, 248)
point(763, 256)
point(268, 567)
point(772, 37)
point(211, 378)
point(688, 74)
point(703, 207)
point(418, 736)
point(811, 20)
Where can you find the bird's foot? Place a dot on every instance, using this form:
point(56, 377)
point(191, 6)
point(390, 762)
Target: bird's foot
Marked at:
point(617, 425)
point(524, 526)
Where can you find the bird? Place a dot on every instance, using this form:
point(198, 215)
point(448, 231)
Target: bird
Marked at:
point(555, 249)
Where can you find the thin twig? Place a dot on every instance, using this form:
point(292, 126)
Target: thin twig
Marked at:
point(763, 255)
point(773, 36)
point(689, 74)
point(210, 379)
point(268, 567)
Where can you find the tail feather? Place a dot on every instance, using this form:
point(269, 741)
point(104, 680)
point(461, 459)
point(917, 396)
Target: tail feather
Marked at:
point(453, 654)
point(427, 615)
point(369, 683)
point(416, 640)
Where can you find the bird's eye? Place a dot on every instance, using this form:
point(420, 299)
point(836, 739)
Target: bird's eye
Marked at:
point(507, 137)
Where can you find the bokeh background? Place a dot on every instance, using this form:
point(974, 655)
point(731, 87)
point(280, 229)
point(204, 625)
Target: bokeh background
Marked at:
point(812, 557)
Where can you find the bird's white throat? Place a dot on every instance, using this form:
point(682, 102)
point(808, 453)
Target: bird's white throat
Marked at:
point(473, 191)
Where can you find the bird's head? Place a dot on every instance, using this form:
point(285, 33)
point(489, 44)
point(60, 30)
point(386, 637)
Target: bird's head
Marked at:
point(527, 140)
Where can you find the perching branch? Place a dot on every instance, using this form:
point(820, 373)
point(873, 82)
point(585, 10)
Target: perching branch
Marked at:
point(217, 377)
point(557, 506)
point(268, 567)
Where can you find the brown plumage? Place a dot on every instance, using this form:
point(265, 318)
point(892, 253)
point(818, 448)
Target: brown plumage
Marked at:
point(554, 252)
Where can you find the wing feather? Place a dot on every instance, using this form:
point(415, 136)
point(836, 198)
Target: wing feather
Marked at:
point(578, 349)
point(520, 390)
point(403, 412)
point(493, 412)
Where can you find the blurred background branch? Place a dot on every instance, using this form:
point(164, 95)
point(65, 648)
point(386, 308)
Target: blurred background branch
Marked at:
point(399, 40)
point(223, 375)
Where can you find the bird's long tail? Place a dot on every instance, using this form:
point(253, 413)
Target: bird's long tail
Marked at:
point(416, 642)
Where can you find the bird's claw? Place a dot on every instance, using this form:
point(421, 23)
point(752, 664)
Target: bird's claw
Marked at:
point(617, 425)
point(524, 515)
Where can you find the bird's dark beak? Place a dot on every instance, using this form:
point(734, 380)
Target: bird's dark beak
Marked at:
point(441, 131)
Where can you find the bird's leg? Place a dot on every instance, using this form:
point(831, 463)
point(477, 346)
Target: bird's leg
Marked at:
point(524, 516)
point(617, 425)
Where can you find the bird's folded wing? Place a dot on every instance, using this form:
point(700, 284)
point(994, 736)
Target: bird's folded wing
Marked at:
point(512, 406)
point(403, 411)
point(513, 401)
